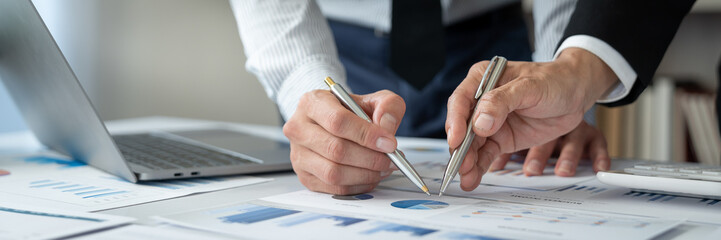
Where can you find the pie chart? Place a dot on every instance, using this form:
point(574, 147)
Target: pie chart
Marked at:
point(353, 197)
point(419, 204)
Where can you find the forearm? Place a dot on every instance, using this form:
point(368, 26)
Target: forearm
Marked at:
point(289, 48)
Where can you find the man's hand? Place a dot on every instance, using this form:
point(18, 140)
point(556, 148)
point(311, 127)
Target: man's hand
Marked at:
point(533, 104)
point(583, 142)
point(337, 152)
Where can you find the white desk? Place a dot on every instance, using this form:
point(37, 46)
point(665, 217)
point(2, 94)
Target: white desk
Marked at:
point(283, 182)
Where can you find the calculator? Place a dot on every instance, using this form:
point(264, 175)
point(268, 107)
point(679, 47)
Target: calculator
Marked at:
point(684, 179)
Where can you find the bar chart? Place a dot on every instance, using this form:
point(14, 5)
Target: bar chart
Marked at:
point(75, 191)
point(270, 222)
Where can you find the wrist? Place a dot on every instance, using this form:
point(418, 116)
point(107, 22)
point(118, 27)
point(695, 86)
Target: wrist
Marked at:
point(594, 76)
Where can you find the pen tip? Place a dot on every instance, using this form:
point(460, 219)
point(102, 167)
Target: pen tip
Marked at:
point(329, 81)
point(440, 194)
point(425, 190)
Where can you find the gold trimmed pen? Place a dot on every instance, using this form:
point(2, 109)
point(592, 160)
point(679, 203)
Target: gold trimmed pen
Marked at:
point(396, 157)
point(488, 82)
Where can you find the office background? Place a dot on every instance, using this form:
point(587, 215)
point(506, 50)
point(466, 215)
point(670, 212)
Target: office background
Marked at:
point(184, 58)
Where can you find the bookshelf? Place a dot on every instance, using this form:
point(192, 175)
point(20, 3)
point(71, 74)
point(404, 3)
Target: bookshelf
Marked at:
point(674, 120)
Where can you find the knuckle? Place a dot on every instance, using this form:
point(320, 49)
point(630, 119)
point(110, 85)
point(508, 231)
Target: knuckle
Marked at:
point(290, 129)
point(294, 156)
point(335, 122)
point(492, 97)
point(480, 65)
point(336, 149)
point(306, 181)
point(309, 97)
point(332, 174)
point(372, 178)
point(379, 162)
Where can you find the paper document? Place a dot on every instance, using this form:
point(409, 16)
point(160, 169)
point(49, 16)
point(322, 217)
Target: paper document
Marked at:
point(268, 222)
point(53, 181)
point(139, 232)
point(489, 216)
point(386, 214)
point(589, 195)
point(30, 222)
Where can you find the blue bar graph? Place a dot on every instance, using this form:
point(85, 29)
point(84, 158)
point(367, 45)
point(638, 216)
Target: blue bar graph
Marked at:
point(66, 186)
point(258, 214)
point(79, 189)
point(41, 181)
point(28, 212)
point(669, 198)
point(309, 217)
point(93, 191)
point(47, 185)
point(709, 201)
point(397, 228)
point(566, 188)
point(465, 236)
point(658, 197)
point(105, 194)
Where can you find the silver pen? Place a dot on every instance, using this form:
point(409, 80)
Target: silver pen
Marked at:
point(396, 157)
point(488, 82)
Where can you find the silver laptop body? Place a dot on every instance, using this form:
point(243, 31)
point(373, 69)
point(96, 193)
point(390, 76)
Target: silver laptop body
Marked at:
point(58, 111)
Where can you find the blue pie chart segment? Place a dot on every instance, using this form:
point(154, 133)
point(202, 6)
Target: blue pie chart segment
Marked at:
point(419, 204)
point(353, 197)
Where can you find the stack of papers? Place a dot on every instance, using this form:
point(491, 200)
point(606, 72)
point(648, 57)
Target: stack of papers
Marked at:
point(57, 182)
point(30, 222)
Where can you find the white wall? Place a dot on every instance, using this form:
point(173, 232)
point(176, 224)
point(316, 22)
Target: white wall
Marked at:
point(162, 57)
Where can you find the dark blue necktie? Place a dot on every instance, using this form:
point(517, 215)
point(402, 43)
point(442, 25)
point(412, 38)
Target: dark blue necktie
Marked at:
point(417, 48)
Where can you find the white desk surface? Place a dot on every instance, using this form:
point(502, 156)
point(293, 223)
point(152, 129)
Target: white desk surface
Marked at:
point(284, 182)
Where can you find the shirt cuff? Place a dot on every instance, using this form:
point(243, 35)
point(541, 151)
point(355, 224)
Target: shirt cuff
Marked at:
point(308, 77)
point(623, 70)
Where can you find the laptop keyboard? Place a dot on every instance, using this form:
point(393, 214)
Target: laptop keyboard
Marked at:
point(160, 153)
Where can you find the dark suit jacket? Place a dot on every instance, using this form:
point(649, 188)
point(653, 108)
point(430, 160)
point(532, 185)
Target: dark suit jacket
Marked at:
point(639, 30)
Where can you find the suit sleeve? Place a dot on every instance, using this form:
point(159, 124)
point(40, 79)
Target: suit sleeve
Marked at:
point(639, 30)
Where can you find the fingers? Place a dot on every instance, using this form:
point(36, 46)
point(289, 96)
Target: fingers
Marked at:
point(500, 162)
point(537, 158)
point(460, 105)
point(572, 147)
point(471, 178)
point(468, 171)
point(335, 151)
point(331, 173)
point(462, 102)
point(325, 110)
point(340, 150)
point(598, 152)
point(387, 107)
point(315, 184)
point(494, 106)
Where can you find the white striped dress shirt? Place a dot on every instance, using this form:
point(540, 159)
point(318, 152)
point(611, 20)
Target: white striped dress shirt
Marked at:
point(290, 48)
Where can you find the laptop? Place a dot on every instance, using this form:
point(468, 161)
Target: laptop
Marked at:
point(61, 116)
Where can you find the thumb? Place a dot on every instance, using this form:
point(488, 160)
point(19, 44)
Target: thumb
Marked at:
point(385, 107)
point(494, 106)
